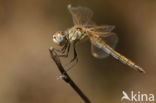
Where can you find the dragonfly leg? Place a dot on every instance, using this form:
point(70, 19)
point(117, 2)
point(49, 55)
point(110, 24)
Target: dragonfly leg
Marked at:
point(75, 55)
point(63, 49)
point(75, 58)
point(66, 54)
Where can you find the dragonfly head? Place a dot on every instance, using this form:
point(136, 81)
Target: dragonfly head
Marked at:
point(59, 38)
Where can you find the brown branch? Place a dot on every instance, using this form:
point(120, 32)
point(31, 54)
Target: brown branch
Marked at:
point(66, 77)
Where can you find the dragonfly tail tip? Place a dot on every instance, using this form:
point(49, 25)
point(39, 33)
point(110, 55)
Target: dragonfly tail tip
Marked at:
point(141, 70)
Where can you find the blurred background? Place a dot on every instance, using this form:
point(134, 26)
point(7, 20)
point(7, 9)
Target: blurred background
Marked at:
point(28, 75)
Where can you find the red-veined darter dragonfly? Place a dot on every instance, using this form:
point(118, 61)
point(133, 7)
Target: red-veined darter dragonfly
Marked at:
point(103, 40)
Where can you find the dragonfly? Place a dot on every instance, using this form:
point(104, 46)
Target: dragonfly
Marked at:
point(103, 40)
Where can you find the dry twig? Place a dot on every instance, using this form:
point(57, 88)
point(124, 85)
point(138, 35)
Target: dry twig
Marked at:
point(66, 77)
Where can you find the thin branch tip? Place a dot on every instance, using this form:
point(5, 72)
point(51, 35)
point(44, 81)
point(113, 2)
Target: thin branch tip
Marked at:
point(65, 76)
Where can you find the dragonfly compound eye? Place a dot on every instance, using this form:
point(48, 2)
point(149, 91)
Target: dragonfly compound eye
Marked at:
point(59, 38)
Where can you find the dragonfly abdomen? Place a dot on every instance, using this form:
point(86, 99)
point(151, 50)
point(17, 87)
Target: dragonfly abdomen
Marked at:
point(122, 58)
point(101, 44)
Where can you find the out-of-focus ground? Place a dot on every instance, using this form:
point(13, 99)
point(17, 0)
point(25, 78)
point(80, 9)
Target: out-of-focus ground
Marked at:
point(28, 75)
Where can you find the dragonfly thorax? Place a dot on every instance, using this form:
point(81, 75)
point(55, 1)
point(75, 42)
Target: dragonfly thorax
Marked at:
point(75, 34)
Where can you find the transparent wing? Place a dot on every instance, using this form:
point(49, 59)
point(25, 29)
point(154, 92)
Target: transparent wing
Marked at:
point(102, 31)
point(111, 40)
point(102, 28)
point(81, 15)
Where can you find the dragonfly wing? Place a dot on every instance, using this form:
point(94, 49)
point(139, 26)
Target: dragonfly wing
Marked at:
point(111, 40)
point(102, 28)
point(81, 15)
point(100, 53)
